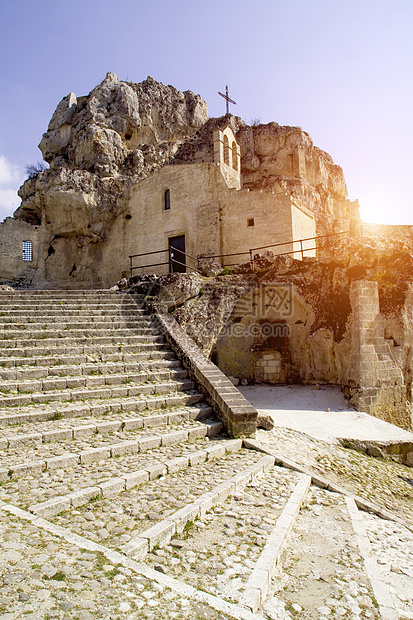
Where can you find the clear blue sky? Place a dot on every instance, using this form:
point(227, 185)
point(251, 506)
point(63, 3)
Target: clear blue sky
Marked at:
point(340, 69)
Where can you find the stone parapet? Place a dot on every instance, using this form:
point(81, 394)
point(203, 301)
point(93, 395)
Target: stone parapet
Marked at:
point(236, 413)
point(375, 382)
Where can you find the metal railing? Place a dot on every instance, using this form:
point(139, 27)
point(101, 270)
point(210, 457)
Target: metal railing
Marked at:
point(302, 249)
point(176, 265)
point(172, 261)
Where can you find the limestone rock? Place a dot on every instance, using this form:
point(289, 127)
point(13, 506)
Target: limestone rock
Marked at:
point(97, 147)
point(283, 159)
point(122, 285)
point(58, 133)
point(234, 380)
point(204, 317)
point(265, 421)
point(105, 132)
point(169, 290)
point(210, 267)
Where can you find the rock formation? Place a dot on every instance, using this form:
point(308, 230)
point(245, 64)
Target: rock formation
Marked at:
point(115, 155)
point(97, 146)
point(320, 342)
point(101, 144)
point(284, 160)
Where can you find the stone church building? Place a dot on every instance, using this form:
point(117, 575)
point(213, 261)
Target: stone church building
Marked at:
point(141, 180)
point(140, 169)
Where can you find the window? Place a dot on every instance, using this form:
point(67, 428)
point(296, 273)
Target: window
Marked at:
point(234, 156)
point(27, 250)
point(226, 150)
point(250, 221)
point(167, 200)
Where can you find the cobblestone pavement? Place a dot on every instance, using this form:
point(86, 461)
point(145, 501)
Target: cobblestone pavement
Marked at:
point(135, 505)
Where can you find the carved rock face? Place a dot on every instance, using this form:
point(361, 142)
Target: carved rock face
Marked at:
point(98, 132)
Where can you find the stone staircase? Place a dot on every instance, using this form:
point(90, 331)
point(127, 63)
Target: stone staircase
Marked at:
point(122, 497)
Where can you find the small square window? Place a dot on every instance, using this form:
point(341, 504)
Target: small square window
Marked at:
point(250, 221)
point(27, 251)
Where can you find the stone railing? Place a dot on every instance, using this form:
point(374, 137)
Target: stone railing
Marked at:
point(235, 412)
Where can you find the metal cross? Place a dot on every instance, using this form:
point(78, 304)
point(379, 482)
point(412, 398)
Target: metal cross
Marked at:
point(227, 99)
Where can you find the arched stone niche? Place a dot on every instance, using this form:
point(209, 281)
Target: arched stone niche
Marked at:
point(226, 149)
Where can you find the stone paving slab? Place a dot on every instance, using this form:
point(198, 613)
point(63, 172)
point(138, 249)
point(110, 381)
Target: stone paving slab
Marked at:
point(67, 576)
point(392, 546)
point(321, 572)
point(101, 495)
point(221, 548)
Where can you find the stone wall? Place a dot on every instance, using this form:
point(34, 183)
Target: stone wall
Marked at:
point(194, 212)
point(303, 227)
point(375, 382)
point(12, 235)
point(345, 320)
point(283, 158)
point(269, 368)
point(214, 217)
point(252, 219)
point(237, 414)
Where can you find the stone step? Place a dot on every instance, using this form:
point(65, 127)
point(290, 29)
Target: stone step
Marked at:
point(148, 471)
point(74, 324)
point(37, 418)
point(72, 380)
point(79, 335)
point(59, 389)
point(221, 523)
point(61, 294)
point(50, 314)
point(33, 357)
point(89, 347)
point(59, 409)
point(63, 428)
point(61, 478)
point(224, 464)
point(54, 322)
point(62, 297)
point(86, 446)
point(80, 367)
point(76, 302)
point(74, 310)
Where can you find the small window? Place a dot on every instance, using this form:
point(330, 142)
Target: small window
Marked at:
point(27, 250)
point(250, 221)
point(167, 200)
point(226, 150)
point(234, 156)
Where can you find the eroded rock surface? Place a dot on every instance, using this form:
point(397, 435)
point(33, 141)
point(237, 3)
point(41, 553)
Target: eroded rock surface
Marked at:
point(121, 126)
point(299, 321)
point(284, 160)
point(97, 146)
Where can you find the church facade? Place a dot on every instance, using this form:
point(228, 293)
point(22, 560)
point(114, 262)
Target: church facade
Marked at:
point(198, 209)
point(140, 169)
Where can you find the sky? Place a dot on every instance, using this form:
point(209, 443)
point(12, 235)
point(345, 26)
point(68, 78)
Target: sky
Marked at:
point(342, 70)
